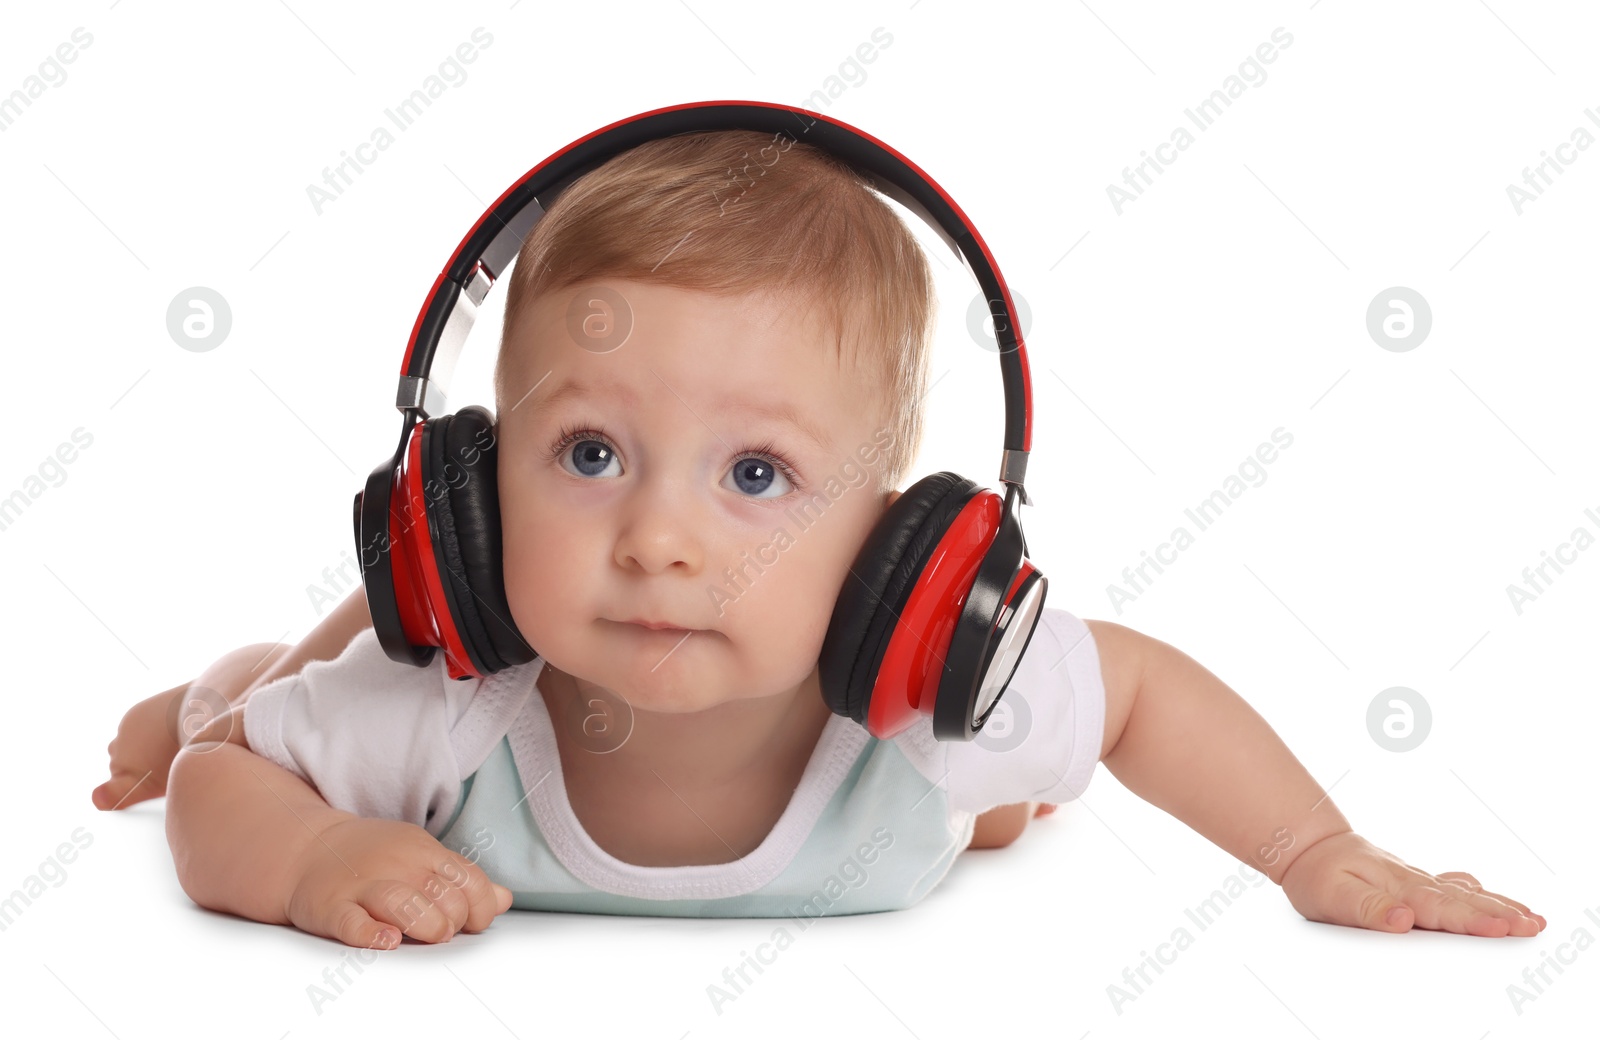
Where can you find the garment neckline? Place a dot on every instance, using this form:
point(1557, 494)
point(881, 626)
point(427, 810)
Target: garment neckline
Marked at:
point(538, 762)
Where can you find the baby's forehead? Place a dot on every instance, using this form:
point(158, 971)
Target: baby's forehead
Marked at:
point(762, 355)
point(810, 372)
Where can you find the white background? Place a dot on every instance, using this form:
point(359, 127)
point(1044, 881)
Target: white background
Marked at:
point(1167, 342)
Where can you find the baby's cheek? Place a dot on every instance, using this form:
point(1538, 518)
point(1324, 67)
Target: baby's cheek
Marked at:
point(537, 581)
point(801, 607)
point(753, 588)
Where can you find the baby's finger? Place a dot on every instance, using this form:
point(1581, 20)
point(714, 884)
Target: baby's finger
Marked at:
point(348, 922)
point(1473, 886)
point(125, 789)
point(1522, 921)
point(1445, 910)
point(397, 903)
point(443, 888)
point(1461, 877)
point(484, 897)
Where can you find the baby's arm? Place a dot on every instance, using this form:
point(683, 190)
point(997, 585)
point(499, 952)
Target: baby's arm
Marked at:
point(1182, 740)
point(151, 731)
point(239, 826)
point(250, 838)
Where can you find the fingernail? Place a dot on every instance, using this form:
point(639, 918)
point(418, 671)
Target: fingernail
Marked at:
point(1395, 915)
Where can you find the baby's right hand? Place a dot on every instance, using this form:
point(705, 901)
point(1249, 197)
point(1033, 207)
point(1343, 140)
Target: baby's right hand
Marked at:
point(368, 880)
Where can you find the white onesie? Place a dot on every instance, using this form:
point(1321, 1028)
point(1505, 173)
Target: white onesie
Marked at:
point(874, 824)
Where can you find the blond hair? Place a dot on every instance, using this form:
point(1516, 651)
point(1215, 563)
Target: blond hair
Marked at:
point(739, 211)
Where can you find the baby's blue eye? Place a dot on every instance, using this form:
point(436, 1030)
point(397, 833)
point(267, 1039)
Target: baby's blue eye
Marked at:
point(754, 476)
point(591, 457)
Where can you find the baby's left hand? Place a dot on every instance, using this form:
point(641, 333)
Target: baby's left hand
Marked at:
point(1345, 879)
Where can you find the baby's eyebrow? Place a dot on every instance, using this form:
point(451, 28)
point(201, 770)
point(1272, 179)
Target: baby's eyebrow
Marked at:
point(782, 411)
point(787, 414)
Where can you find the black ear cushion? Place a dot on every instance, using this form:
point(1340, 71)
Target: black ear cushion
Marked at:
point(463, 500)
point(887, 567)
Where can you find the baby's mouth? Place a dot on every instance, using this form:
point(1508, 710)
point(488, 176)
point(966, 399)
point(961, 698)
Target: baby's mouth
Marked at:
point(661, 627)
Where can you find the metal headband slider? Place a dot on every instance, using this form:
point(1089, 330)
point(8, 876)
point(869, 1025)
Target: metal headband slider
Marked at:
point(418, 394)
point(1013, 468)
point(478, 283)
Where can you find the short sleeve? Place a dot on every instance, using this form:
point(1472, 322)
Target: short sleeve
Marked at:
point(1043, 739)
point(372, 735)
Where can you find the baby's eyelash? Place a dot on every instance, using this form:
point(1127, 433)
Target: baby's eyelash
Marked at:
point(766, 450)
point(571, 435)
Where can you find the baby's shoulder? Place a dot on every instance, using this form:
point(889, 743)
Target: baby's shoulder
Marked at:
point(364, 682)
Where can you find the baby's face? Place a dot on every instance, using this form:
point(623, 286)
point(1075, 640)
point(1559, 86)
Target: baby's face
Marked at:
point(639, 495)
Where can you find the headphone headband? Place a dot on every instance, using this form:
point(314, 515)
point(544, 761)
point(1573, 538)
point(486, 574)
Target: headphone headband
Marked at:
point(493, 242)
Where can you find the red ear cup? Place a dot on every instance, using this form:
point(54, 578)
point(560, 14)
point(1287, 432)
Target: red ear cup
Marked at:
point(401, 616)
point(923, 616)
point(432, 566)
point(876, 587)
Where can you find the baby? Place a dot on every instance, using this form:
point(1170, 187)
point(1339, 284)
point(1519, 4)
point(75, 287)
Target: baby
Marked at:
point(669, 752)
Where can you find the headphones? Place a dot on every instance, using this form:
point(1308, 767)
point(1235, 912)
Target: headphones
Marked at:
point(941, 601)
